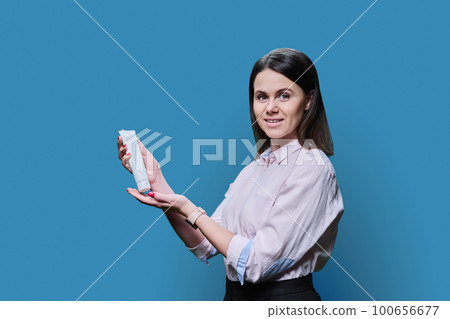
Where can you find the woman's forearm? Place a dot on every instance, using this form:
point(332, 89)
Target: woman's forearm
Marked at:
point(217, 235)
point(190, 236)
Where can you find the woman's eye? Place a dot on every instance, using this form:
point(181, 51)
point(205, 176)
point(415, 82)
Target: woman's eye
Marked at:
point(284, 96)
point(259, 97)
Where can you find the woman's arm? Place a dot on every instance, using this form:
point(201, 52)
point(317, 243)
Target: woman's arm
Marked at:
point(178, 208)
point(190, 236)
point(217, 235)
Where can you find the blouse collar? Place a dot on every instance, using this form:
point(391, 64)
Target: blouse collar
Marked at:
point(269, 156)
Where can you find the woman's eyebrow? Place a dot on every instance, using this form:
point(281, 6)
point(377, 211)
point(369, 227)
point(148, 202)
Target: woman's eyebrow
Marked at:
point(280, 90)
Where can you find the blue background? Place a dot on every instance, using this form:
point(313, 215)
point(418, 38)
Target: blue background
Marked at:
point(67, 88)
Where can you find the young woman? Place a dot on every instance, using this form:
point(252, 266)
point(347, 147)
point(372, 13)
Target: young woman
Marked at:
point(279, 219)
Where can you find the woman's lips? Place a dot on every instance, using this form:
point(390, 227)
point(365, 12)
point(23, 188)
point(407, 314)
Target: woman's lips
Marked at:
point(273, 124)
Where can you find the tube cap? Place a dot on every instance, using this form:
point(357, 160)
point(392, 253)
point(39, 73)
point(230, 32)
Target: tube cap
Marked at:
point(143, 186)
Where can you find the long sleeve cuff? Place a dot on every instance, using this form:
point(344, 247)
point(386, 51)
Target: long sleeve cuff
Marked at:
point(237, 254)
point(203, 250)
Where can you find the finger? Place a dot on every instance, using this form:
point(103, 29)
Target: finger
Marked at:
point(143, 198)
point(119, 142)
point(161, 197)
point(141, 146)
point(126, 161)
point(123, 150)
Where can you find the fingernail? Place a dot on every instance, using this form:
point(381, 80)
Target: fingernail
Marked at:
point(151, 194)
point(128, 154)
point(124, 145)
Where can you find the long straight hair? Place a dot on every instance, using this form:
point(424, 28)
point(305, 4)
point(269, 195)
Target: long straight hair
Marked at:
point(297, 67)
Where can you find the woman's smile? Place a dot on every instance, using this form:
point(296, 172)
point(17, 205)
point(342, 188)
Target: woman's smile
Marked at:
point(273, 122)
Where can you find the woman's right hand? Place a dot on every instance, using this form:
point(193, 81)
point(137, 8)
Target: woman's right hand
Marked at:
point(152, 166)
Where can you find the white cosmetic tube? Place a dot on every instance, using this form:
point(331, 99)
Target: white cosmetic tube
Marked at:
point(136, 161)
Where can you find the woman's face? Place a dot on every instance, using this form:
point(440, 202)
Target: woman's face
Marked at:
point(270, 103)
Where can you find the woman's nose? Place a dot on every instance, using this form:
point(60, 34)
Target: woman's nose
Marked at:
point(272, 105)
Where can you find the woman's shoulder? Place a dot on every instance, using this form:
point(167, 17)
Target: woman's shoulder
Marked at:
point(313, 160)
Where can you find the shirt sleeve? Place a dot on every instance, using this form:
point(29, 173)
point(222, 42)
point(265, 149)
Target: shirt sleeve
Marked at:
point(205, 250)
point(304, 213)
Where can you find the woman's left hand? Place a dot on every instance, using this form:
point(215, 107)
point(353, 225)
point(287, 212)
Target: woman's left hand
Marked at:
point(167, 202)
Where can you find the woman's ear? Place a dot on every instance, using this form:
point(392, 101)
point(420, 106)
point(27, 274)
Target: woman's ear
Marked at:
point(308, 103)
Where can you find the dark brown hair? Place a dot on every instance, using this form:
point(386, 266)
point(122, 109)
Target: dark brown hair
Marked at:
point(297, 67)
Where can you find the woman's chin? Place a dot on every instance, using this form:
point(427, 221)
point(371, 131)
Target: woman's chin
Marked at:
point(273, 135)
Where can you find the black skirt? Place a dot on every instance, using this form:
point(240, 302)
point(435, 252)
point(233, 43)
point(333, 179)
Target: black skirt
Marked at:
point(301, 288)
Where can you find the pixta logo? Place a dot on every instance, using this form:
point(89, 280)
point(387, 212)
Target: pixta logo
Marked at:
point(305, 152)
point(309, 148)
